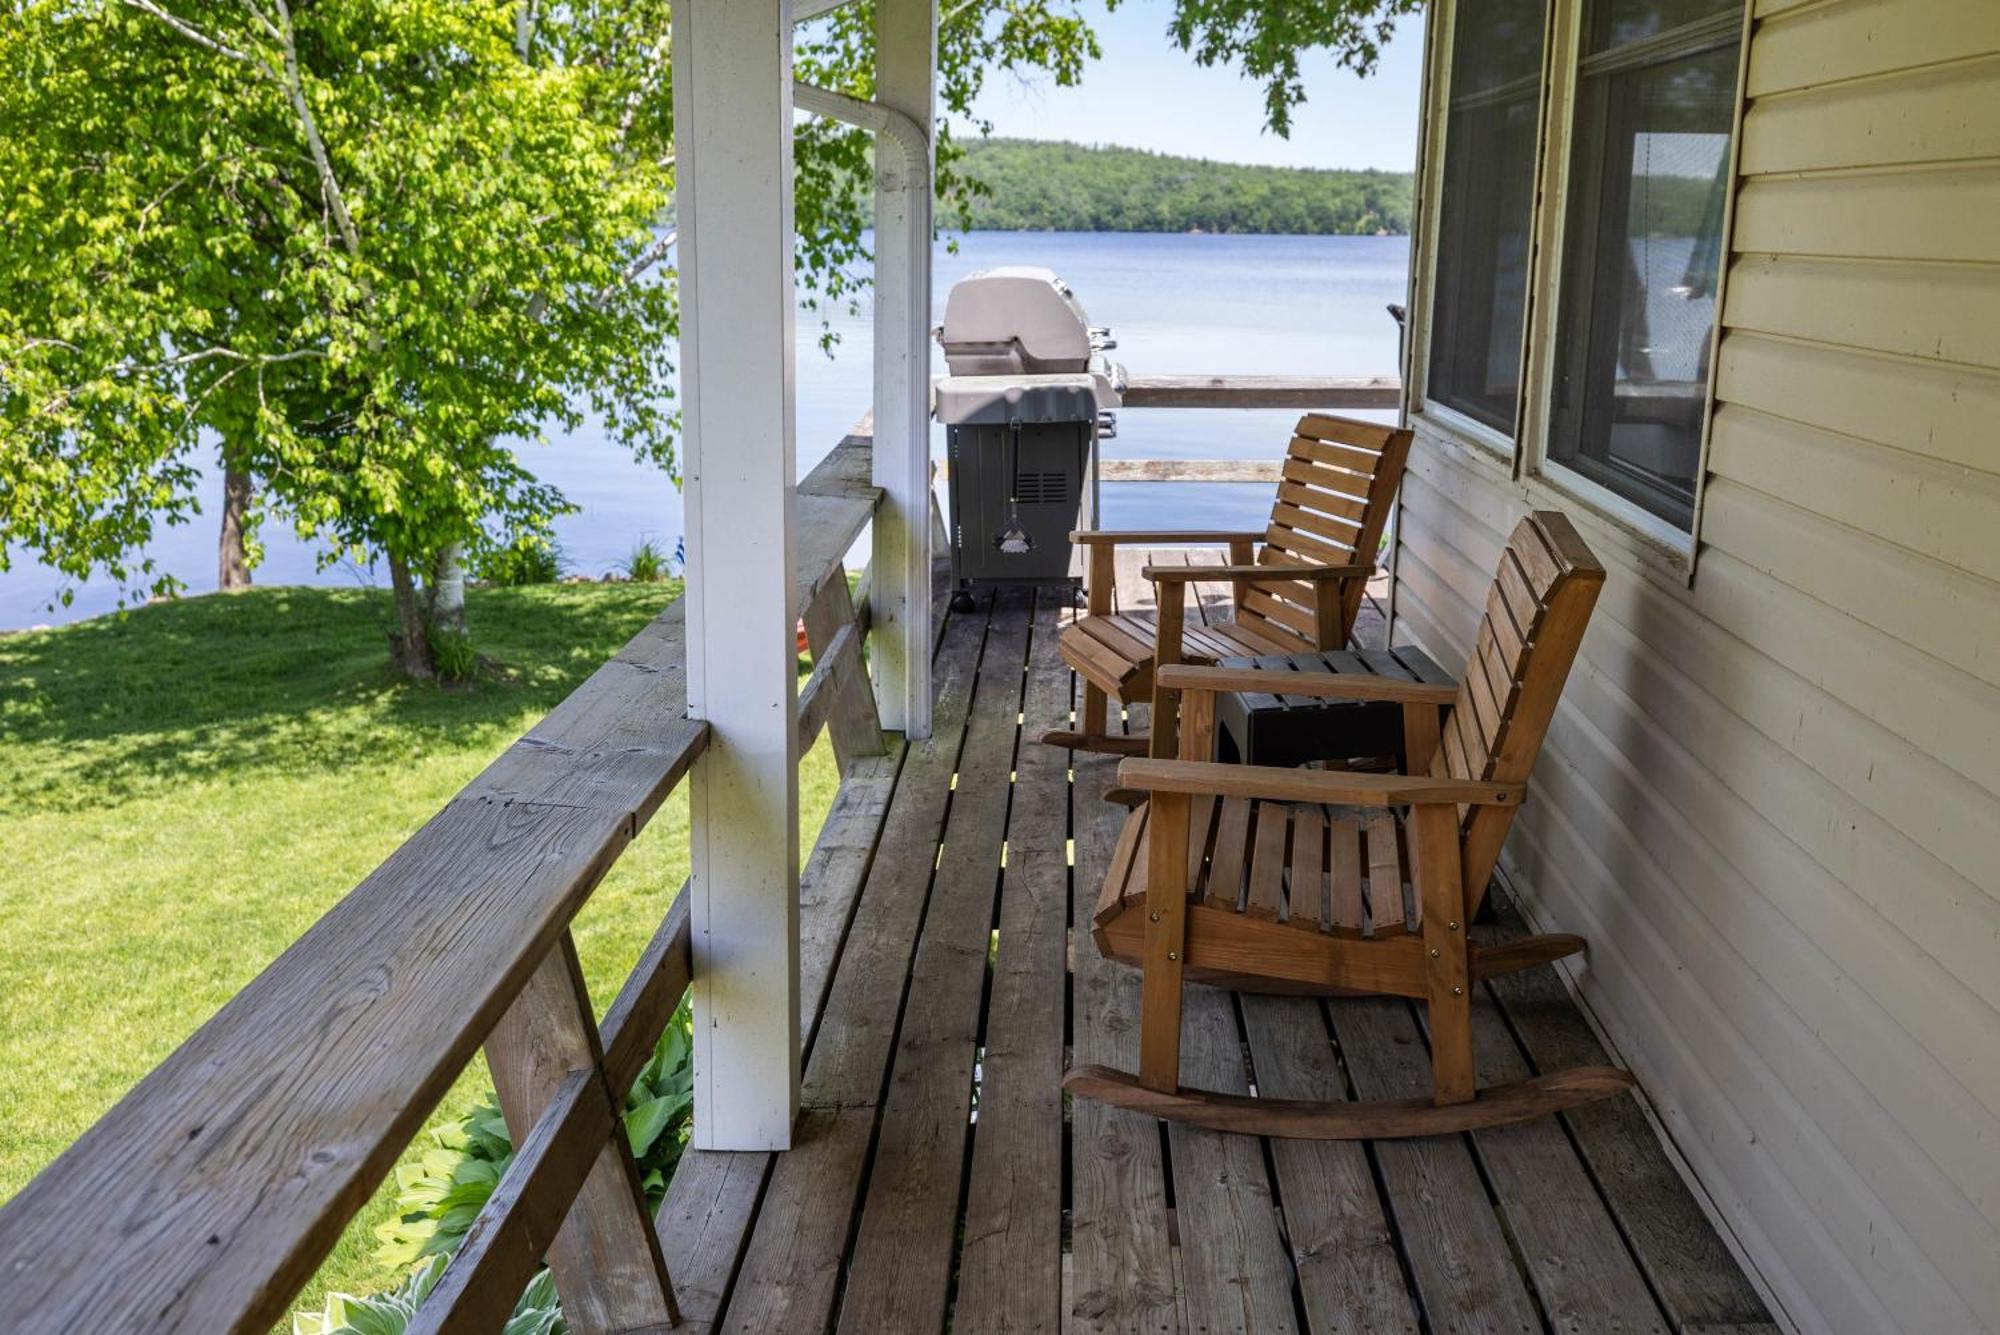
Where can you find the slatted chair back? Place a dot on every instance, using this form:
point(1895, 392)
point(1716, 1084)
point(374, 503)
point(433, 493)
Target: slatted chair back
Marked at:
point(1339, 480)
point(1534, 620)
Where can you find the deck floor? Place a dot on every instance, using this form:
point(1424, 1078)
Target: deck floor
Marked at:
point(939, 1182)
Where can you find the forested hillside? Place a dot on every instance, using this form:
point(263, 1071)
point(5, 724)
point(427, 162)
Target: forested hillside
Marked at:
point(1042, 186)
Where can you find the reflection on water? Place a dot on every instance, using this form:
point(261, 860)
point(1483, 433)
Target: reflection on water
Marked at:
point(1177, 304)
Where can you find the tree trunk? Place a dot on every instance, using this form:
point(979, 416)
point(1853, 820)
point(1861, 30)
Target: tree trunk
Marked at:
point(233, 555)
point(446, 591)
point(409, 643)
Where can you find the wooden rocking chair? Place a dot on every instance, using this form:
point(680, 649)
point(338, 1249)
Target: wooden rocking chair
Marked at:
point(1301, 591)
point(1333, 883)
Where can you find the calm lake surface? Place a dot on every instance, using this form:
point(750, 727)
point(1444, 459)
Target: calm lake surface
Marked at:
point(1177, 305)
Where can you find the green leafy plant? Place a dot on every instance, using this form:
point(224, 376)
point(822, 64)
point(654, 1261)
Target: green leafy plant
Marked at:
point(647, 564)
point(527, 559)
point(538, 1312)
point(442, 1192)
point(453, 654)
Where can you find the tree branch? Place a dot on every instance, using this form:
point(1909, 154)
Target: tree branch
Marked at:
point(192, 33)
point(656, 55)
point(641, 262)
point(336, 202)
point(525, 20)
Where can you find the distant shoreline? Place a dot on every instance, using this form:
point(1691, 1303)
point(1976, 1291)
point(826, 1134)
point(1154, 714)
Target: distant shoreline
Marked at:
point(1044, 186)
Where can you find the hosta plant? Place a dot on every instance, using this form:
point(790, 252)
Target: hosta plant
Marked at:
point(442, 1192)
point(389, 1313)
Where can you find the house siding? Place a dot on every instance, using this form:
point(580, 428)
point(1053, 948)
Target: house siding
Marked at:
point(1771, 798)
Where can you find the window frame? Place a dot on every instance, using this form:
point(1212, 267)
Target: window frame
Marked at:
point(1540, 479)
point(1545, 355)
point(1437, 118)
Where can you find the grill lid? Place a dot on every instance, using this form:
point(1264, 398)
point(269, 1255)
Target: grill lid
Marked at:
point(1023, 321)
point(1014, 320)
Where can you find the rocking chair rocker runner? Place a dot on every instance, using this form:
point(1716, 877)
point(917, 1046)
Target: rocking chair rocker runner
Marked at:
point(1301, 591)
point(1330, 882)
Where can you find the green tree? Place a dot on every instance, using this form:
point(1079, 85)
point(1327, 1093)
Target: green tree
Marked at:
point(365, 242)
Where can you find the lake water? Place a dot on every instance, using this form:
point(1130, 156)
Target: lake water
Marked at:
point(1177, 305)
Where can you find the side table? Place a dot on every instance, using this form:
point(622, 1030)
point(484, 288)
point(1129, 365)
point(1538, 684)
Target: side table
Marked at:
point(1272, 728)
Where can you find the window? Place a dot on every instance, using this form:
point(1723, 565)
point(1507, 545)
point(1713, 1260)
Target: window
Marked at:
point(1649, 175)
point(1485, 209)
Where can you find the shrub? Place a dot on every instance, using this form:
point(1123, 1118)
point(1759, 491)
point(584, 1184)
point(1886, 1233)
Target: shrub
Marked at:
point(527, 558)
point(647, 564)
point(453, 656)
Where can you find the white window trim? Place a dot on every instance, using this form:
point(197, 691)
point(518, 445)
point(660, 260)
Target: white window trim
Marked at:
point(1471, 430)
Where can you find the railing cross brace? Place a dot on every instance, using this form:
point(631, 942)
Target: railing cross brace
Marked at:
point(548, 1070)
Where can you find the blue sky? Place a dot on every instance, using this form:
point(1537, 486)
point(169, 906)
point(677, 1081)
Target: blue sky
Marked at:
point(1147, 93)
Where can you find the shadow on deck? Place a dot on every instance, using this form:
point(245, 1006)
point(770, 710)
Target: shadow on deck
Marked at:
point(939, 1180)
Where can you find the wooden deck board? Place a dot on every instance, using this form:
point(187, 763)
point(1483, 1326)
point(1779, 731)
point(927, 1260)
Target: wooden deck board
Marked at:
point(900, 1271)
point(1350, 1277)
point(1690, 1269)
point(1010, 1269)
point(1466, 1276)
point(1122, 1276)
point(814, 1188)
point(713, 1216)
point(1235, 1271)
point(1579, 1266)
point(899, 1211)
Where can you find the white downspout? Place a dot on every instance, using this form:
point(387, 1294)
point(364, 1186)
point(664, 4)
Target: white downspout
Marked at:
point(912, 144)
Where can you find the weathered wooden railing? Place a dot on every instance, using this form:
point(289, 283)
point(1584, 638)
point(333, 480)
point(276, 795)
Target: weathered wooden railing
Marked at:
point(210, 1194)
point(1305, 392)
point(1263, 391)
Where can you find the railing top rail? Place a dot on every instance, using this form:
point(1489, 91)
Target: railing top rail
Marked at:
point(1263, 391)
point(206, 1198)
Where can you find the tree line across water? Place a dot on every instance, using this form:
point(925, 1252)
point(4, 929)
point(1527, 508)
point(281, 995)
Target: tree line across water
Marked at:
point(1035, 185)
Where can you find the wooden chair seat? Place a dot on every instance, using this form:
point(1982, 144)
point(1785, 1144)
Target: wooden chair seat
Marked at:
point(1115, 653)
point(1318, 868)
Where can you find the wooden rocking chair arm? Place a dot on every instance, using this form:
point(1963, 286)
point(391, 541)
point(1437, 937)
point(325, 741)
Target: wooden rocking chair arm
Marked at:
point(1271, 574)
point(1331, 787)
point(1312, 685)
point(1101, 537)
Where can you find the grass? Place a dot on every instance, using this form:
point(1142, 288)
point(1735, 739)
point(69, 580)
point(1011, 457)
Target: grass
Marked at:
point(189, 786)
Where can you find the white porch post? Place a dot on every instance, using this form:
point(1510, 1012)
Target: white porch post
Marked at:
point(900, 597)
point(733, 144)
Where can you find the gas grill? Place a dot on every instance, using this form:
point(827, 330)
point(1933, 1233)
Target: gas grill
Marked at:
point(1029, 394)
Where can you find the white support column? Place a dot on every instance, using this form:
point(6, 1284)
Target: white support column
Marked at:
point(900, 597)
point(733, 132)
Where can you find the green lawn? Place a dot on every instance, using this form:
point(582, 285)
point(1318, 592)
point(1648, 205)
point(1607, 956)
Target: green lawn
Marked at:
point(186, 788)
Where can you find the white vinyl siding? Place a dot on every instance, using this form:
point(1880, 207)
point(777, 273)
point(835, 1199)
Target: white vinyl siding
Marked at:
point(1771, 799)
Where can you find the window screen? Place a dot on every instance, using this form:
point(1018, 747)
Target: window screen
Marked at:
point(1649, 176)
point(1485, 208)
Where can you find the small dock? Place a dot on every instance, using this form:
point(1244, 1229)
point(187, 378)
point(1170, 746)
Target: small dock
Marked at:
point(942, 1182)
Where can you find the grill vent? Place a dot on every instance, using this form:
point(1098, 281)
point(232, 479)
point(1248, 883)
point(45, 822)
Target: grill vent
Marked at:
point(1043, 489)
